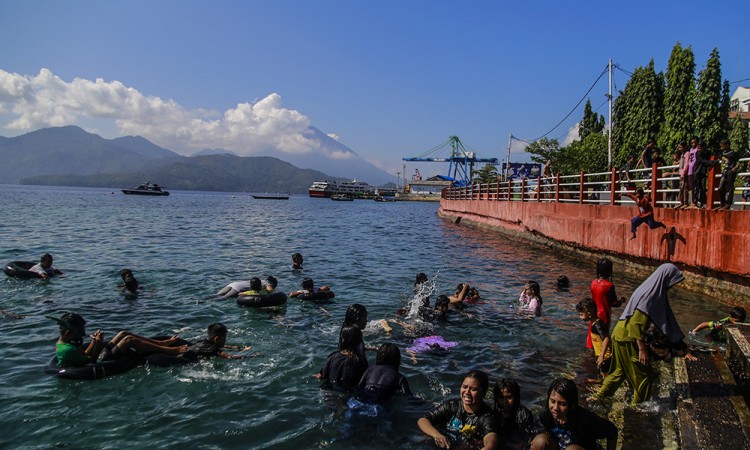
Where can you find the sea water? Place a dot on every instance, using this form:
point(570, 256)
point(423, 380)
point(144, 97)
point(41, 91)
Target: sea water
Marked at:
point(185, 247)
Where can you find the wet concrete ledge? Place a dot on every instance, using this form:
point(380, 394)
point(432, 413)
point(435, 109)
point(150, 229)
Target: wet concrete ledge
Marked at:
point(732, 290)
point(711, 413)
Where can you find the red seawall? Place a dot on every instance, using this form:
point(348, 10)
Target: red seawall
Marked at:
point(708, 244)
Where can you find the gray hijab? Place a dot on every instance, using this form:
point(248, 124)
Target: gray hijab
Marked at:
point(650, 298)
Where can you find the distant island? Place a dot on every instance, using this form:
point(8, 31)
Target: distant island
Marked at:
point(70, 156)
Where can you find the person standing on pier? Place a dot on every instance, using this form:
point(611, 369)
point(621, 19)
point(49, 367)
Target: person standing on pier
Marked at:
point(649, 304)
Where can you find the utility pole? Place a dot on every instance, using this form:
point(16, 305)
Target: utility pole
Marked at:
point(507, 165)
point(609, 127)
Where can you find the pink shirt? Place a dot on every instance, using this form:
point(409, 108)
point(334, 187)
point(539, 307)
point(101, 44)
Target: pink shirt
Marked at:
point(684, 164)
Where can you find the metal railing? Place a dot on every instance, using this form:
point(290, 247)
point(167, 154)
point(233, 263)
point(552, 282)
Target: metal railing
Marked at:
point(661, 183)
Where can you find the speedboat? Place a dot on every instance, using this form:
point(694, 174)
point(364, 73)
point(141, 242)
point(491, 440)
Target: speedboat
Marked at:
point(146, 189)
point(342, 198)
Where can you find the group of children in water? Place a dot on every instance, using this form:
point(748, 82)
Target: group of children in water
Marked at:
point(562, 423)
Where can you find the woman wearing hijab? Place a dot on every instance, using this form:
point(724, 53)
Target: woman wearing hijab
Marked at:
point(630, 358)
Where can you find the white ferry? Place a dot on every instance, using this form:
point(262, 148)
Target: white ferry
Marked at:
point(330, 188)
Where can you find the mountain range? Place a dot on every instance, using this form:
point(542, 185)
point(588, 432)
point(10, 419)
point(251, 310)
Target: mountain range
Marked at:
point(70, 156)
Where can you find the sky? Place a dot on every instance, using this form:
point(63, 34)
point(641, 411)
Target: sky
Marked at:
point(388, 79)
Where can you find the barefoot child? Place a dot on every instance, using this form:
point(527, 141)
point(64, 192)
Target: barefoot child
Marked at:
point(716, 327)
point(599, 333)
point(645, 212)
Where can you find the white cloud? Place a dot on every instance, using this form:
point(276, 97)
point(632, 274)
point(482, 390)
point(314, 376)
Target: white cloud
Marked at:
point(571, 135)
point(44, 100)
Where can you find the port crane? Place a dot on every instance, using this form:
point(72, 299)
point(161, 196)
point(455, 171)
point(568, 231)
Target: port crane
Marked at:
point(461, 162)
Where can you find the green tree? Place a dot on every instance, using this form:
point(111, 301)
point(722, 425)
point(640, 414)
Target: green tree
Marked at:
point(591, 123)
point(588, 155)
point(679, 96)
point(724, 108)
point(708, 125)
point(544, 149)
point(487, 174)
point(638, 112)
point(739, 136)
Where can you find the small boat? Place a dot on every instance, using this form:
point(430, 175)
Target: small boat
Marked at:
point(342, 198)
point(384, 199)
point(146, 189)
point(271, 197)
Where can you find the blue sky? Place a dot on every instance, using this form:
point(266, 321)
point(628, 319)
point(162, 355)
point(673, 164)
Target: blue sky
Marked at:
point(389, 79)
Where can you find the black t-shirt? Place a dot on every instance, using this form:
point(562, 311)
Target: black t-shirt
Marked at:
point(203, 349)
point(582, 428)
point(379, 383)
point(342, 372)
point(460, 424)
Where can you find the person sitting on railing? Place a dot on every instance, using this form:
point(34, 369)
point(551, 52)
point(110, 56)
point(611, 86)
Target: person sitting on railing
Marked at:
point(728, 175)
point(625, 169)
point(645, 212)
point(700, 173)
point(647, 155)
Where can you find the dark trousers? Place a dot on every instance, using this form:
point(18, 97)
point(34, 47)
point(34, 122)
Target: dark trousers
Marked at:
point(699, 190)
point(649, 220)
point(726, 187)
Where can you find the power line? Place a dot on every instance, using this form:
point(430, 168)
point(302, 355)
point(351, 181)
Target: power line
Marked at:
point(572, 110)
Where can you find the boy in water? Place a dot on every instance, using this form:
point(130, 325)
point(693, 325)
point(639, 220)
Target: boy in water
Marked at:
point(130, 283)
point(73, 328)
point(599, 333)
point(297, 261)
point(45, 268)
point(645, 212)
point(716, 327)
point(213, 345)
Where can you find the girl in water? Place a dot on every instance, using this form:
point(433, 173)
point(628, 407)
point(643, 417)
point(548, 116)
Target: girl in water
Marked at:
point(531, 299)
point(568, 425)
point(465, 419)
point(344, 368)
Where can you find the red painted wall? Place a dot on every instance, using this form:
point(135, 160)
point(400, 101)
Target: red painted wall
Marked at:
point(716, 240)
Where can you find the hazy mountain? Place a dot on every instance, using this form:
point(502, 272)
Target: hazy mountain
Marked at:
point(71, 156)
point(346, 163)
point(213, 151)
point(203, 173)
point(71, 150)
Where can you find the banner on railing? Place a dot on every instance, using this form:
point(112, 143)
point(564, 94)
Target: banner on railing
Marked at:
point(519, 171)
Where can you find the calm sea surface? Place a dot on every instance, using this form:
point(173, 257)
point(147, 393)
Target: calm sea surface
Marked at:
point(185, 247)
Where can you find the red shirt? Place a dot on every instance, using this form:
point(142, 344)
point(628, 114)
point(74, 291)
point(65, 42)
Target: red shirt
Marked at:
point(603, 293)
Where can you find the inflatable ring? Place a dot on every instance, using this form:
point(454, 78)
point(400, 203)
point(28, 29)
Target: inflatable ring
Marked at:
point(95, 371)
point(20, 269)
point(263, 300)
point(317, 296)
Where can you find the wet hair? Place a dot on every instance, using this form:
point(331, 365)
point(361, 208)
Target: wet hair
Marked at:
point(481, 377)
point(355, 314)
point(297, 259)
point(308, 284)
point(566, 389)
point(216, 329)
point(72, 322)
point(389, 355)
point(460, 287)
point(421, 278)
point(535, 288)
point(255, 284)
point(738, 313)
point(349, 338)
point(508, 384)
point(442, 300)
point(563, 281)
point(272, 281)
point(588, 306)
point(131, 284)
point(604, 268)
point(46, 257)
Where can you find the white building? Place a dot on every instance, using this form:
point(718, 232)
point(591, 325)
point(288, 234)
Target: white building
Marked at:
point(740, 100)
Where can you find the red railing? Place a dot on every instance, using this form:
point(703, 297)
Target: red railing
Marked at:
point(660, 182)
